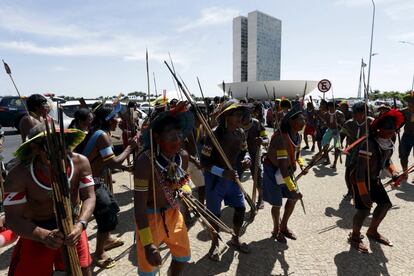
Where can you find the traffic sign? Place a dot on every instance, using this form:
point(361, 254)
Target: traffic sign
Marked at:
point(324, 85)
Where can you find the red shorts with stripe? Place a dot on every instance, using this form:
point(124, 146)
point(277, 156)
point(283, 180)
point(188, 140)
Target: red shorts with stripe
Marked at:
point(309, 130)
point(34, 258)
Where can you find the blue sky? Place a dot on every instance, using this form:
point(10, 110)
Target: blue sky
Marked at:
point(91, 48)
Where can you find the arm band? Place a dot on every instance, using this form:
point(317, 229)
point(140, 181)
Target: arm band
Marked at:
point(14, 198)
point(145, 236)
point(362, 188)
point(186, 188)
point(86, 181)
point(141, 185)
point(282, 154)
point(217, 171)
point(106, 152)
point(289, 183)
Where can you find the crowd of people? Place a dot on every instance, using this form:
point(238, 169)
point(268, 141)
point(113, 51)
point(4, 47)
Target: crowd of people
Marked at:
point(180, 149)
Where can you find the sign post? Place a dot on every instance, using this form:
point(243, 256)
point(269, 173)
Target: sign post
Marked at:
point(324, 86)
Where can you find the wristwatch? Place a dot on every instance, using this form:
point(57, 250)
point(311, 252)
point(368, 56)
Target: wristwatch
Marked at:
point(84, 224)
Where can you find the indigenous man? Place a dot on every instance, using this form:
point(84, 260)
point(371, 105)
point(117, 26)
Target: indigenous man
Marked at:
point(279, 166)
point(353, 130)
point(158, 183)
point(220, 181)
point(321, 123)
point(38, 108)
point(98, 148)
point(310, 128)
point(334, 119)
point(285, 106)
point(366, 180)
point(407, 140)
point(344, 108)
point(30, 211)
point(256, 137)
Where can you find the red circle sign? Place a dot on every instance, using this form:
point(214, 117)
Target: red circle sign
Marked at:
point(324, 85)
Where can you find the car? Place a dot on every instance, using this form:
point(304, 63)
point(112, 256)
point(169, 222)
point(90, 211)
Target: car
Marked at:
point(12, 109)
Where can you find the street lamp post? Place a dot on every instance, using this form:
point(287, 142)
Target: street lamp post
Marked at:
point(370, 48)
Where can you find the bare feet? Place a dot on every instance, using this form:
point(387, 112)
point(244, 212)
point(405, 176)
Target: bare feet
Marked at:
point(379, 238)
point(356, 242)
point(288, 233)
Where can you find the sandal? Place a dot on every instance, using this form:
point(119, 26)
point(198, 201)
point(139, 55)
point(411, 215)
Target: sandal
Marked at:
point(114, 244)
point(241, 247)
point(356, 242)
point(289, 234)
point(105, 264)
point(380, 239)
point(214, 254)
point(279, 237)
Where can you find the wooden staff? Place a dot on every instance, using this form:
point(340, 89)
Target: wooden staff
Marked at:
point(56, 152)
point(213, 138)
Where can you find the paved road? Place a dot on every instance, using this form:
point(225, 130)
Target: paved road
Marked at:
point(321, 248)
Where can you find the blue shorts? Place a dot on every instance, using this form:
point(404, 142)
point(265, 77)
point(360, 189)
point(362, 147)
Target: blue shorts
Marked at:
point(273, 193)
point(219, 189)
point(329, 135)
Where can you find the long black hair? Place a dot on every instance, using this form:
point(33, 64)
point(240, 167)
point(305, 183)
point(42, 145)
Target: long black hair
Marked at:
point(80, 115)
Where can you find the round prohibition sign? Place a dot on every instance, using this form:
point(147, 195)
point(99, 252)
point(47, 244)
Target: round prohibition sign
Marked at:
point(324, 85)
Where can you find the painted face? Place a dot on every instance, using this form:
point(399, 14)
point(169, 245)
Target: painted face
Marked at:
point(170, 141)
point(298, 123)
point(359, 117)
point(44, 109)
point(85, 125)
point(235, 118)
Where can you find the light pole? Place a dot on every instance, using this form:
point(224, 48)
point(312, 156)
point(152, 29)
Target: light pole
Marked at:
point(370, 48)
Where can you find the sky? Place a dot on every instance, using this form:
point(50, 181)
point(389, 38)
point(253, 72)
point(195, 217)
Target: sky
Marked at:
point(94, 48)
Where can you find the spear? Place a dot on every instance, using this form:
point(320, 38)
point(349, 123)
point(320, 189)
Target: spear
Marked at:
point(211, 135)
point(152, 159)
point(8, 71)
point(155, 86)
point(172, 65)
point(304, 94)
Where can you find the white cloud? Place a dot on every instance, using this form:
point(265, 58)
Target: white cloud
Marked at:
point(210, 17)
point(53, 38)
point(18, 21)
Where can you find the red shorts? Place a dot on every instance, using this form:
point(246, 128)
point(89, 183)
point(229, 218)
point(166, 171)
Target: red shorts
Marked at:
point(34, 258)
point(310, 130)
